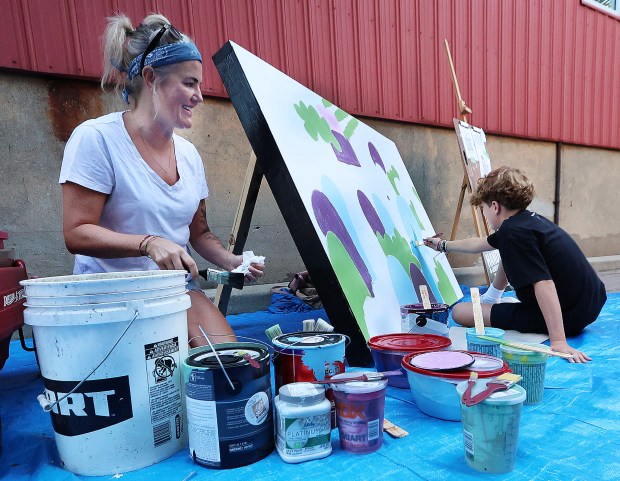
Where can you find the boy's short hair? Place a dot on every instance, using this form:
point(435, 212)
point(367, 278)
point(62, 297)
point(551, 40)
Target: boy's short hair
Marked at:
point(508, 186)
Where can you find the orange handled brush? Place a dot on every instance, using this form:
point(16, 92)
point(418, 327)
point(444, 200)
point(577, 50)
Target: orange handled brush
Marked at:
point(500, 383)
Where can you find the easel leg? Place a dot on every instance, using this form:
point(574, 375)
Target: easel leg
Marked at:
point(241, 225)
point(457, 215)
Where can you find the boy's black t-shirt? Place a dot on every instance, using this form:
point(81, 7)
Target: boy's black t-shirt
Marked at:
point(534, 249)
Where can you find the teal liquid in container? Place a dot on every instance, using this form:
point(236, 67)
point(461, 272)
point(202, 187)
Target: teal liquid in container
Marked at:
point(491, 428)
point(531, 366)
point(483, 346)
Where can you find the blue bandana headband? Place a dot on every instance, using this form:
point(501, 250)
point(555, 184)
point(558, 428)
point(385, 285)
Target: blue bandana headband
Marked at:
point(160, 56)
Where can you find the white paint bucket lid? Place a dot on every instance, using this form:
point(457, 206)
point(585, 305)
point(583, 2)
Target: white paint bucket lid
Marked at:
point(104, 283)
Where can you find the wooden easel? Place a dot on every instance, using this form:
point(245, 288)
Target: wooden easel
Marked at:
point(464, 110)
point(241, 225)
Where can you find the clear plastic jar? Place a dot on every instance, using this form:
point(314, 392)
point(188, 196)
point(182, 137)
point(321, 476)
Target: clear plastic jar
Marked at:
point(303, 422)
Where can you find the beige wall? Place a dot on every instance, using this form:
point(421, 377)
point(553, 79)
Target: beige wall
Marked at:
point(38, 114)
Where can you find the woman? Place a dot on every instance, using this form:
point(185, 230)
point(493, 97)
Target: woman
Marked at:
point(133, 191)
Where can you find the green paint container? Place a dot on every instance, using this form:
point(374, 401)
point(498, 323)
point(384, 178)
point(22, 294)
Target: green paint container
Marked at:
point(531, 366)
point(491, 428)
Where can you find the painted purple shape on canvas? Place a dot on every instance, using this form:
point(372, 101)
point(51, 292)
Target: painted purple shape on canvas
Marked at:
point(371, 214)
point(374, 155)
point(347, 155)
point(418, 279)
point(329, 221)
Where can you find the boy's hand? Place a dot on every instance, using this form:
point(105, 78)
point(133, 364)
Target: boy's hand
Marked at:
point(432, 242)
point(578, 356)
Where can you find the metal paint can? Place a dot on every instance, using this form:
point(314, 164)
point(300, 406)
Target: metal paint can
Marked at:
point(308, 357)
point(229, 404)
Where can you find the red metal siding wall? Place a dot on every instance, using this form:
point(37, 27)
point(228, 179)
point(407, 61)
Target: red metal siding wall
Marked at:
point(540, 69)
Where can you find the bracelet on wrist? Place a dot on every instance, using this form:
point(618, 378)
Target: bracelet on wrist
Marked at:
point(140, 246)
point(148, 242)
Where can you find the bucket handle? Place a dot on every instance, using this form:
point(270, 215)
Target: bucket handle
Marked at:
point(217, 356)
point(43, 401)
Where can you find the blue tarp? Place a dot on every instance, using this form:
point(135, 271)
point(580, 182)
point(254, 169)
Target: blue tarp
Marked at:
point(573, 434)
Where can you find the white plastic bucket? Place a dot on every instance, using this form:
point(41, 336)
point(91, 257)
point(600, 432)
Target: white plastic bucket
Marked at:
point(129, 413)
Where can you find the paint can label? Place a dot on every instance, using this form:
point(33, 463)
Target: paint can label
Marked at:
point(304, 435)
point(223, 432)
point(164, 383)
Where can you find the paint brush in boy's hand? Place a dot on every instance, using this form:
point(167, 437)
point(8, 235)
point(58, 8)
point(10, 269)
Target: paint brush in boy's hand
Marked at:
point(421, 242)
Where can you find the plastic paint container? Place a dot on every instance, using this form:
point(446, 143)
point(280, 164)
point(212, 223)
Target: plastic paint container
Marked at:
point(359, 411)
point(303, 422)
point(417, 320)
point(491, 428)
point(483, 346)
point(434, 391)
point(129, 413)
point(388, 351)
point(531, 366)
point(229, 428)
point(307, 357)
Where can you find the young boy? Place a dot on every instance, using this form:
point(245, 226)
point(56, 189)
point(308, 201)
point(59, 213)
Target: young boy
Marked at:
point(560, 292)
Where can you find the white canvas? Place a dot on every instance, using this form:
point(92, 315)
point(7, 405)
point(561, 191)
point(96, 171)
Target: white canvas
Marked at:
point(358, 193)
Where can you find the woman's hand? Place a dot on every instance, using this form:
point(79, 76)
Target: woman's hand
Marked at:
point(170, 256)
point(255, 272)
point(578, 356)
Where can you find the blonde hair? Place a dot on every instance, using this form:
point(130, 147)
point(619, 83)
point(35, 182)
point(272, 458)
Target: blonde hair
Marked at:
point(508, 186)
point(122, 43)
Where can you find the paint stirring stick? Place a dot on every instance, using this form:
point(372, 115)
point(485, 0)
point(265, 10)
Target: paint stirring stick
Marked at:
point(426, 302)
point(393, 430)
point(478, 321)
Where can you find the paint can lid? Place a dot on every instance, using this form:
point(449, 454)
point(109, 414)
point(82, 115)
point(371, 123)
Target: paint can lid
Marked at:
point(514, 395)
point(301, 393)
point(442, 360)
point(357, 387)
point(231, 355)
point(485, 365)
point(406, 342)
point(419, 308)
point(307, 339)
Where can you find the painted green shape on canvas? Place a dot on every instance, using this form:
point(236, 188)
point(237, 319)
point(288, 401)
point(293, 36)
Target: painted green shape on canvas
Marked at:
point(354, 288)
point(392, 176)
point(415, 214)
point(399, 248)
point(349, 130)
point(444, 286)
point(316, 125)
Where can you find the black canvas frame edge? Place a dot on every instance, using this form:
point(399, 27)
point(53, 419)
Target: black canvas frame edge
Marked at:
point(290, 203)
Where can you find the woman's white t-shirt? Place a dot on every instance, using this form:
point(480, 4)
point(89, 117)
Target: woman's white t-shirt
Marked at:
point(101, 156)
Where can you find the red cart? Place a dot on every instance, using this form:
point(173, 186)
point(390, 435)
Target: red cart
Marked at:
point(11, 299)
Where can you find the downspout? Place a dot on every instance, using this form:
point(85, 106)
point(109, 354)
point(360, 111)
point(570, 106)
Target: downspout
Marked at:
point(558, 177)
